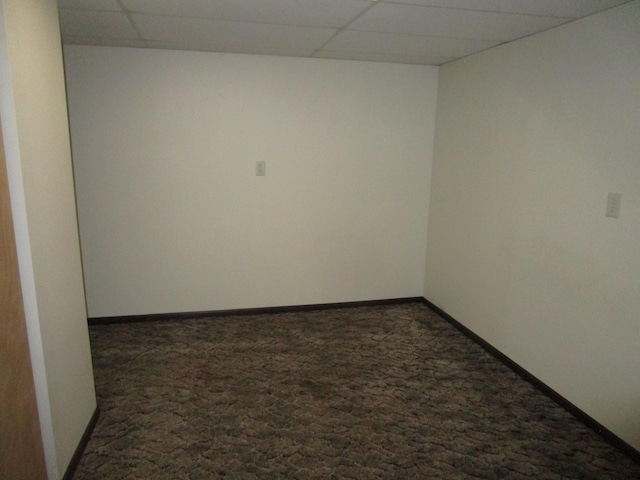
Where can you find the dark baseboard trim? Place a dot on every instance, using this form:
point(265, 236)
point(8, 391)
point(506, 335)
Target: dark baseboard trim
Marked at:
point(75, 460)
point(249, 311)
point(589, 421)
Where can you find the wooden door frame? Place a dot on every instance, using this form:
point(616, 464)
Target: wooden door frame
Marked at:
point(21, 448)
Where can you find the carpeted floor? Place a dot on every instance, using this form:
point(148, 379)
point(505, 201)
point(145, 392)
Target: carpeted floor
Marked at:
point(389, 392)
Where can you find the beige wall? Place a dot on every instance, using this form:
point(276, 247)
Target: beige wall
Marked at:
point(34, 116)
point(172, 215)
point(530, 138)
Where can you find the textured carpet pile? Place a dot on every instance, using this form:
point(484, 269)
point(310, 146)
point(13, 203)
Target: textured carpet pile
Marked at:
point(391, 392)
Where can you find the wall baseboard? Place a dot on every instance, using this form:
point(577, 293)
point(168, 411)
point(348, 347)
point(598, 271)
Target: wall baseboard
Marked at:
point(583, 417)
point(248, 311)
point(75, 459)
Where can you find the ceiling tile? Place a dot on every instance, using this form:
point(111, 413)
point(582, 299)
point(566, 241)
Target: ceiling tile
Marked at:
point(108, 5)
point(404, 31)
point(432, 21)
point(88, 23)
point(554, 8)
point(318, 13)
point(223, 36)
point(395, 44)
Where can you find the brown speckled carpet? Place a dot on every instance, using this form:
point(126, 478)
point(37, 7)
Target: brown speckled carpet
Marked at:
point(390, 392)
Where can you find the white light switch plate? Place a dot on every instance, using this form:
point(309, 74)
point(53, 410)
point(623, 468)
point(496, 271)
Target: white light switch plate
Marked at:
point(613, 205)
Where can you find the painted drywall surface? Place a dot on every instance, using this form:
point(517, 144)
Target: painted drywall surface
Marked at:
point(530, 138)
point(37, 147)
point(172, 215)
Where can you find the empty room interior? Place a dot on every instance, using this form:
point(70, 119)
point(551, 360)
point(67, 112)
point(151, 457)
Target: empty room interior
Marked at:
point(473, 163)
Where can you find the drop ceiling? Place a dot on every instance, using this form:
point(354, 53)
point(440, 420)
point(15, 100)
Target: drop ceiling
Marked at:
point(426, 32)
